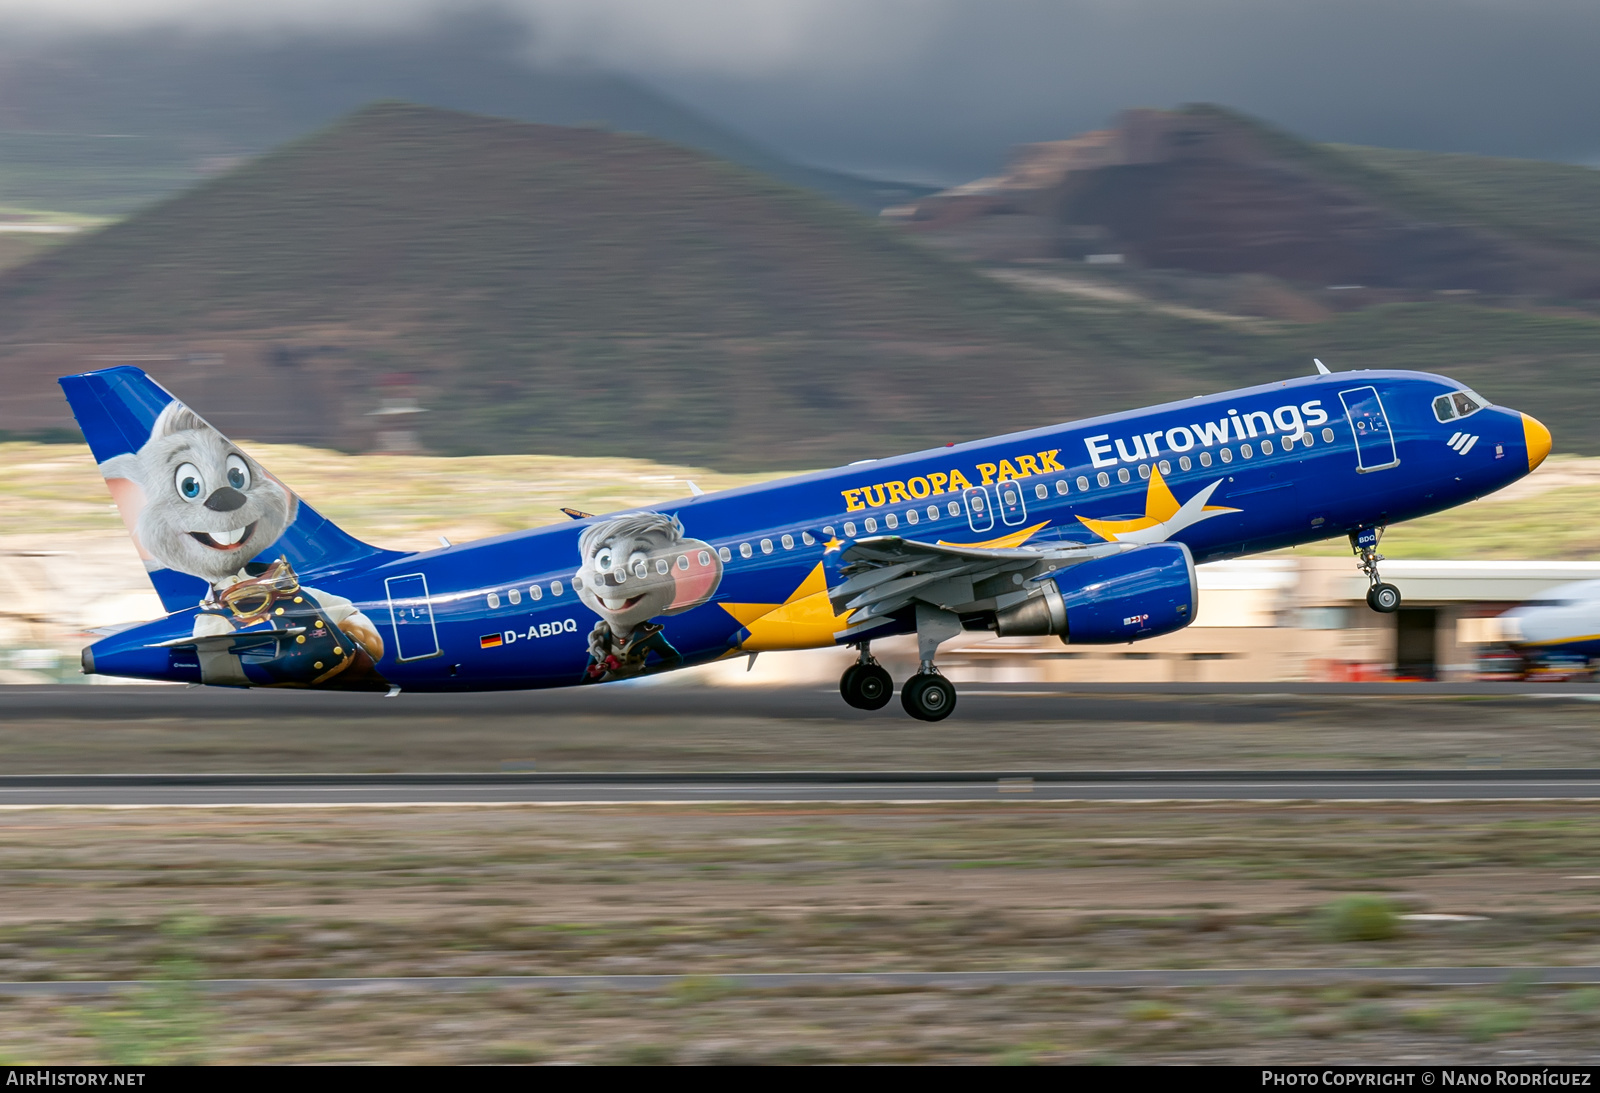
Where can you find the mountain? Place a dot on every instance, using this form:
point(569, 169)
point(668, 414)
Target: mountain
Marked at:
point(1210, 191)
point(535, 288)
point(106, 123)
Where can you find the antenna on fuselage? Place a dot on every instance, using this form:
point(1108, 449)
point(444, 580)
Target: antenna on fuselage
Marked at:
point(1322, 369)
point(696, 490)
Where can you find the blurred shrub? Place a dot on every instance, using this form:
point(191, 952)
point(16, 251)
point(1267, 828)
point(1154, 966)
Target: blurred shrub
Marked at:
point(1362, 918)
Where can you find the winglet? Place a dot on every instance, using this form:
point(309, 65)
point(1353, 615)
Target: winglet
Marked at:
point(576, 514)
point(1322, 369)
point(696, 490)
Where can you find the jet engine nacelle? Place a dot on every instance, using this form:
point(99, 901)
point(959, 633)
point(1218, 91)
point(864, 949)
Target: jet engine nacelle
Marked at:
point(1142, 593)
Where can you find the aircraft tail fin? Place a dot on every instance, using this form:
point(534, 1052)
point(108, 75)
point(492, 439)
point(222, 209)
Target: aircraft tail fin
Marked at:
point(201, 511)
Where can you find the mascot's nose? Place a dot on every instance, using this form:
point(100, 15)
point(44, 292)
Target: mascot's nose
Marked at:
point(225, 500)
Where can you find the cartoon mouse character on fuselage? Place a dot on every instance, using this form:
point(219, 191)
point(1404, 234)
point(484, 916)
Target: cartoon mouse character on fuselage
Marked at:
point(635, 567)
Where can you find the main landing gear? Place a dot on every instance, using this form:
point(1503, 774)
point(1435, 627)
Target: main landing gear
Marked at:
point(865, 685)
point(927, 696)
point(1381, 597)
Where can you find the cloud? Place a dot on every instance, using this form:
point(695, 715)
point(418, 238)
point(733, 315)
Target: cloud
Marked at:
point(945, 87)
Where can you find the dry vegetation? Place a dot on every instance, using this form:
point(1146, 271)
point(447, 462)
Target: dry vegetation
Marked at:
point(407, 501)
point(197, 893)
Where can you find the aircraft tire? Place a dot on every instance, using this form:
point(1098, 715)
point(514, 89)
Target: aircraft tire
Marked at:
point(866, 686)
point(928, 697)
point(1384, 598)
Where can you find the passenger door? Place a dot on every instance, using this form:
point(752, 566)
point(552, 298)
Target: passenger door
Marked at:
point(1013, 508)
point(415, 635)
point(1375, 449)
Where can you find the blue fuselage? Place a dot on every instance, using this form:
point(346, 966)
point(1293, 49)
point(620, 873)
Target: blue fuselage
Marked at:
point(1294, 462)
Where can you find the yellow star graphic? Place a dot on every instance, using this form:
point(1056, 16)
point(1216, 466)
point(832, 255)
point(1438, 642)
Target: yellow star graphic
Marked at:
point(803, 621)
point(1163, 516)
point(832, 545)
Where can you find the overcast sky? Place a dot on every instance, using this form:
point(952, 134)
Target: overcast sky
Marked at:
point(940, 89)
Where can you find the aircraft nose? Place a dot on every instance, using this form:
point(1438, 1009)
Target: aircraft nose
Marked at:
point(1537, 438)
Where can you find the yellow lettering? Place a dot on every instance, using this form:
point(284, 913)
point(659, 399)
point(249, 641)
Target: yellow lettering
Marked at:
point(897, 493)
point(918, 488)
point(938, 481)
point(987, 470)
point(852, 501)
point(873, 494)
point(1028, 466)
point(1007, 470)
point(958, 481)
point(1049, 462)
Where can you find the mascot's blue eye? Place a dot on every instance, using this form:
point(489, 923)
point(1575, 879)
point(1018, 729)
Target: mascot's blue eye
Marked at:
point(238, 473)
point(189, 482)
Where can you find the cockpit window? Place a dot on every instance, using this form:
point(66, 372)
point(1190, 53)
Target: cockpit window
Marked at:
point(1458, 404)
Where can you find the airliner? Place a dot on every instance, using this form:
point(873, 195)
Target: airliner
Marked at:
point(1088, 531)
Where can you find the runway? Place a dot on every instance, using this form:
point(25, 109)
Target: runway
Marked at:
point(663, 695)
point(869, 981)
point(775, 787)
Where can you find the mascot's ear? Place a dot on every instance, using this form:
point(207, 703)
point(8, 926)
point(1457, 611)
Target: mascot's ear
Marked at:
point(697, 584)
point(178, 418)
point(122, 466)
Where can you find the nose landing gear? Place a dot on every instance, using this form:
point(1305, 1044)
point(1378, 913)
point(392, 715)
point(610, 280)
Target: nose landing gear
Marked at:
point(1381, 597)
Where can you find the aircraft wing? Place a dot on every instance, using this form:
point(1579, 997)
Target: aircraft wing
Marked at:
point(885, 573)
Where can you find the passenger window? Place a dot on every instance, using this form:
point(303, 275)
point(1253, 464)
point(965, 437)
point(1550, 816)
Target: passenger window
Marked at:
point(891, 520)
point(745, 551)
point(725, 554)
point(1327, 436)
point(911, 516)
point(807, 538)
point(1184, 463)
point(1246, 451)
point(535, 593)
point(662, 567)
point(829, 532)
point(788, 542)
point(1443, 409)
point(1103, 478)
point(1062, 488)
point(494, 600)
point(515, 596)
point(1288, 443)
point(954, 508)
point(1205, 459)
point(705, 558)
point(1083, 484)
point(683, 563)
point(1144, 470)
point(1166, 468)
point(933, 512)
point(872, 524)
point(556, 589)
point(850, 529)
point(1266, 447)
point(1040, 491)
point(1226, 455)
point(766, 546)
point(1123, 476)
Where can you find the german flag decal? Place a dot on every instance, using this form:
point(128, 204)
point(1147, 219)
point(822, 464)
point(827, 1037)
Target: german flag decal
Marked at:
point(490, 641)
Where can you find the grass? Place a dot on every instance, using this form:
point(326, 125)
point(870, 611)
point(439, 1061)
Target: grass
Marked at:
point(178, 895)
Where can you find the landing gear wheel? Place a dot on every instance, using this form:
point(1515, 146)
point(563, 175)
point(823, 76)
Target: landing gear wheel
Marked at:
point(928, 697)
point(866, 686)
point(1384, 598)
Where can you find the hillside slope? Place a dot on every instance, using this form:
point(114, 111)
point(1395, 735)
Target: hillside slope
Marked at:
point(563, 290)
point(104, 123)
point(1207, 190)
